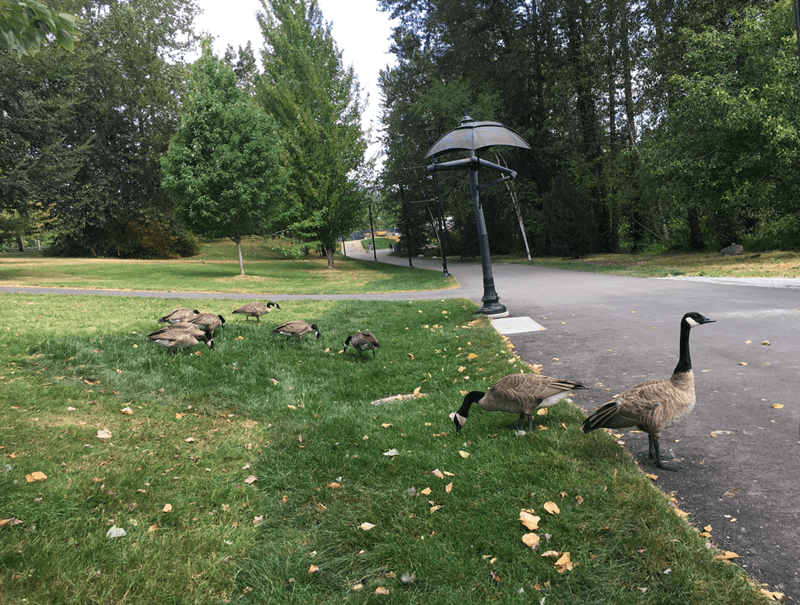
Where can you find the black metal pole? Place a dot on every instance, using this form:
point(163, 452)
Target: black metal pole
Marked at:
point(372, 231)
point(490, 299)
point(405, 217)
point(438, 211)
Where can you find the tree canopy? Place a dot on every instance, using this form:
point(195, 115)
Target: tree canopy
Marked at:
point(24, 25)
point(223, 165)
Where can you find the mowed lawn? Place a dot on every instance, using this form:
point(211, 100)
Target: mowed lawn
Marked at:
point(277, 471)
point(216, 269)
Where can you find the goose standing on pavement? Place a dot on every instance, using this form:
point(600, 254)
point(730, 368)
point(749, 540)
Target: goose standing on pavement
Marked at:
point(256, 309)
point(362, 341)
point(297, 327)
point(517, 394)
point(654, 405)
point(179, 314)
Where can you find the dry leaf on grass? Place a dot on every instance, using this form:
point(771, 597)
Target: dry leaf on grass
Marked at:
point(472, 356)
point(435, 508)
point(189, 440)
point(463, 454)
point(552, 508)
point(529, 520)
point(258, 519)
point(251, 479)
point(126, 410)
point(12, 521)
point(386, 425)
point(366, 526)
point(563, 564)
point(167, 508)
point(426, 491)
point(551, 553)
point(36, 476)
point(531, 540)
point(313, 569)
point(104, 433)
point(438, 473)
point(381, 590)
point(448, 488)
point(392, 452)
point(333, 485)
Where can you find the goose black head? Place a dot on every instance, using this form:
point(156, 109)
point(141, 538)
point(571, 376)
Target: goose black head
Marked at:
point(316, 329)
point(694, 319)
point(272, 304)
point(346, 342)
point(460, 416)
point(221, 321)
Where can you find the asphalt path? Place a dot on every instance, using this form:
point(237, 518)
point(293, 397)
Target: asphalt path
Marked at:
point(739, 453)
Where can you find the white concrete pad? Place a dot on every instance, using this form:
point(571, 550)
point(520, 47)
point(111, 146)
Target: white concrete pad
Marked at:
point(516, 325)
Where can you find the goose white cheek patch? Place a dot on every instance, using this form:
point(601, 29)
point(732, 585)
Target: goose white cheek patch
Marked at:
point(692, 322)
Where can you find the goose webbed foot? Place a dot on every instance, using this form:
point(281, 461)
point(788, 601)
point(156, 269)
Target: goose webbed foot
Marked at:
point(654, 449)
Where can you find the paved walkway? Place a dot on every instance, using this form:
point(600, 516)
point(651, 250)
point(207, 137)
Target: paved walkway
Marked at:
point(740, 455)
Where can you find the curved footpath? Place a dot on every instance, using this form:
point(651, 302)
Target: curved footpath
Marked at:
point(739, 454)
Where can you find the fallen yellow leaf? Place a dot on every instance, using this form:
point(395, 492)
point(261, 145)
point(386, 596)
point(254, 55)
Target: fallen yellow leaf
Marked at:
point(550, 553)
point(333, 485)
point(727, 555)
point(313, 569)
point(529, 520)
point(36, 476)
point(380, 589)
point(426, 491)
point(435, 508)
point(152, 528)
point(366, 526)
point(448, 488)
point(463, 454)
point(777, 406)
point(563, 564)
point(552, 508)
point(707, 528)
point(742, 363)
point(167, 508)
point(541, 412)
point(472, 356)
point(386, 425)
point(438, 473)
point(772, 596)
point(126, 410)
point(530, 540)
point(449, 474)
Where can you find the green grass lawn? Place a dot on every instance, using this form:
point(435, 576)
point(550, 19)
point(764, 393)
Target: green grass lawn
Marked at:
point(248, 473)
point(709, 264)
point(216, 269)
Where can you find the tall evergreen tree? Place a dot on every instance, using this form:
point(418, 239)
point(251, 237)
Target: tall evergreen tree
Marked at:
point(316, 101)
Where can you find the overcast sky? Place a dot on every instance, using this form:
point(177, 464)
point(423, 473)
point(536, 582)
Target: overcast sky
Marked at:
point(361, 32)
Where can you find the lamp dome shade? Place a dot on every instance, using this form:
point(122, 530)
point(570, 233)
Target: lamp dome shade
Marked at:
point(474, 136)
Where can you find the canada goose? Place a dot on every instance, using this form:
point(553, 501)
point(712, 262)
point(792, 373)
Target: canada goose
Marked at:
point(654, 405)
point(518, 394)
point(296, 327)
point(362, 341)
point(256, 309)
point(174, 340)
point(186, 326)
point(208, 321)
point(179, 314)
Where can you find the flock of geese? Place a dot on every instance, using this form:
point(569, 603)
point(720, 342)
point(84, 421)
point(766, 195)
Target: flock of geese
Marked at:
point(189, 328)
point(651, 406)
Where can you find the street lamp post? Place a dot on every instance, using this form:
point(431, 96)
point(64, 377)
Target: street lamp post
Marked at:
point(405, 217)
point(473, 137)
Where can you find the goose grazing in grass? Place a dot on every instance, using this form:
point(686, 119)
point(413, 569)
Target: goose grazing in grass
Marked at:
point(362, 341)
point(186, 326)
point(654, 405)
point(256, 309)
point(517, 394)
point(179, 314)
point(208, 321)
point(174, 340)
point(297, 327)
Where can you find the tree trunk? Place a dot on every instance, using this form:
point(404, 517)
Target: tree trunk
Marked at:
point(20, 243)
point(241, 262)
point(329, 254)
